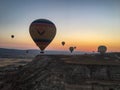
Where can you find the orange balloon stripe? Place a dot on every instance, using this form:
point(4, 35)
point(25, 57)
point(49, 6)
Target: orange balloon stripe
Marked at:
point(41, 40)
point(42, 43)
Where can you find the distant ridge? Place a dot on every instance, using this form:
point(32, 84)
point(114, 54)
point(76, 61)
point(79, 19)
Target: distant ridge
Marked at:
point(17, 53)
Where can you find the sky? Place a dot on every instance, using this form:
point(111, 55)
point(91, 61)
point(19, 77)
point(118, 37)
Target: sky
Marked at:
point(85, 24)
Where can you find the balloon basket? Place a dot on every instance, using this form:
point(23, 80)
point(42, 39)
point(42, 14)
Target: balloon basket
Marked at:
point(42, 52)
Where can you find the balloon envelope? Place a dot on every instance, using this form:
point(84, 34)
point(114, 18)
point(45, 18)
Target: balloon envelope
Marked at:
point(63, 43)
point(74, 47)
point(102, 49)
point(42, 32)
point(12, 36)
point(71, 49)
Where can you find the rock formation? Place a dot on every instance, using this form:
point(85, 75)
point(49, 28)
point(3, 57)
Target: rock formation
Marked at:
point(66, 72)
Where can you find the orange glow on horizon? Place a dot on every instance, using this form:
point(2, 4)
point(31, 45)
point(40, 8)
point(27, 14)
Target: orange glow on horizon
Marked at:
point(80, 46)
point(88, 44)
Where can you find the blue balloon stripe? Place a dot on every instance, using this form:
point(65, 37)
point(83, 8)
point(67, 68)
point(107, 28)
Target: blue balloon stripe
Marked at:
point(42, 24)
point(43, 21)
point(42, 40)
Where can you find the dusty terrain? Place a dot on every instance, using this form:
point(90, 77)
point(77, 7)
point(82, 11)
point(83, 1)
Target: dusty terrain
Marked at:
point(13, 61)
point(65, 72)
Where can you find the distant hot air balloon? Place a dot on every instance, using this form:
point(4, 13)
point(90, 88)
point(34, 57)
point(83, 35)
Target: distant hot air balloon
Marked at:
point(12, 36)
point(102, 49)
point(71, 49)
point(74, 47)
point(42, 32)
point(63, 43)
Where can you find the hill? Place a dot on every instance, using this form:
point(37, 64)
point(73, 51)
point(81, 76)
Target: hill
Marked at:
point(31, 53)
point(65, 72)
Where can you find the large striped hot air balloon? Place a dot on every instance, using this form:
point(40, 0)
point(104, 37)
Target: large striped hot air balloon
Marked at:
point(42, 32)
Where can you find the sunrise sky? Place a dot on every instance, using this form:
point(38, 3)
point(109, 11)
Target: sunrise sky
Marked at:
point(85, 24)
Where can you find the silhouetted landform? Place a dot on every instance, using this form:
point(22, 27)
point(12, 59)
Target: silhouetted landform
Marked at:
point(31, 53)
point(15, 53)
point(65, 72)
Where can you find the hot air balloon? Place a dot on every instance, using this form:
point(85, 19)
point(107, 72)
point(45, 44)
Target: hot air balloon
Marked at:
point(63, 43)
point(102, 49)
point(74, 47)
point(71, 49)
point(12, 36)
point(42, 32)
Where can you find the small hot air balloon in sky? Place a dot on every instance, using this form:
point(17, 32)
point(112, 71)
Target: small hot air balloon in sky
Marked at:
point(42, 32)
point(12, 36)
point(74, 47)
point(63, 43)
point(102, 49)
point(71, 49)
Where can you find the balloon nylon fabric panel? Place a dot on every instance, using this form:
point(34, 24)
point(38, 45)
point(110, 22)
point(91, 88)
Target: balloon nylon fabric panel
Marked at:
point(42, 32)
point(42, 21)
